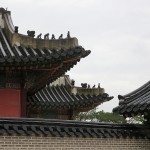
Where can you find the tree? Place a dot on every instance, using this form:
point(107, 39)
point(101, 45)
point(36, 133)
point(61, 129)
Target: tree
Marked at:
point(136, 119)
point(100, 116)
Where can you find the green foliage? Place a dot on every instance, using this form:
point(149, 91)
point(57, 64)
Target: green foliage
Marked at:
point(136, 119)
point(100, 116)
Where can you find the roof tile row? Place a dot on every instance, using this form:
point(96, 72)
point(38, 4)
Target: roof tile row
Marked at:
point(136, 102)
point(26, 56)
point(52, 97)
point(61, 128)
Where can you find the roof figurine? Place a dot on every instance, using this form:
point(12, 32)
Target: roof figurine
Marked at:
point(46, 36)
point(84, 85)
point(16, 29)
point(39, 36)
point(30, 33)
point(68, 35)
point(3, 11)
point(53, 37)
point(61, 36)
point(73, 82)
point(93, 86)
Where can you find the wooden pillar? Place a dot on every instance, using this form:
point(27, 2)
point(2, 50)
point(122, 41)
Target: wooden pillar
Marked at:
point(70, 117)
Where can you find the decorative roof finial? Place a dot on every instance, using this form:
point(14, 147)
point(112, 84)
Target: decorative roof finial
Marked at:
point(16, 29)
point(84, 85)
point(93, 86)
point(61, 36)
point(39, 36)
point(46, 36)
point(53, 37)
point(68, 35)
point(31, 33)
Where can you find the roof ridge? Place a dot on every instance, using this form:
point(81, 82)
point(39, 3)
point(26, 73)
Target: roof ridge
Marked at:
point(141, 88)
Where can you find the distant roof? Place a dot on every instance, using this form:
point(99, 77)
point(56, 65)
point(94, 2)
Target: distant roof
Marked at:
point(54, 97)
point(136, 102)
point(61, 128)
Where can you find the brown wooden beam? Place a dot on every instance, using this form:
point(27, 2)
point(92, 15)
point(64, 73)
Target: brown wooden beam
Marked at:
point(50, 76)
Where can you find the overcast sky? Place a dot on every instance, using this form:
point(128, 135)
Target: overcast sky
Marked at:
point(116, 31)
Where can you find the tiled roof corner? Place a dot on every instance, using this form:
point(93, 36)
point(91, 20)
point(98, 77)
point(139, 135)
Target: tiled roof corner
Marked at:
point(136, 102)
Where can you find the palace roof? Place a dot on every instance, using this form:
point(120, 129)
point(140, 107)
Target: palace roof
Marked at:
point(42, 60)
point(61, 128)
point(57, 97)
point(136, 102)
point(21, 57)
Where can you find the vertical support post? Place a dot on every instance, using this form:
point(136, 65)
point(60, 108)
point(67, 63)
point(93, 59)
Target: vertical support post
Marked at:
point(70, 117)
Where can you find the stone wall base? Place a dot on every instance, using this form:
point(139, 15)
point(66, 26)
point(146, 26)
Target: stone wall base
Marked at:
point(65, 143)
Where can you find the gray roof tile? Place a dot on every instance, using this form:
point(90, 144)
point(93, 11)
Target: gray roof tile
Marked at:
point(135, 102)
point(61, 128)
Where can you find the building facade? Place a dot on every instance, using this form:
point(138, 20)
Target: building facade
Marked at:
point(36, 112)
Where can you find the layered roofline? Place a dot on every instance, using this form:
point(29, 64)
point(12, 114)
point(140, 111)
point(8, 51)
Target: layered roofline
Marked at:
point(18, 39)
